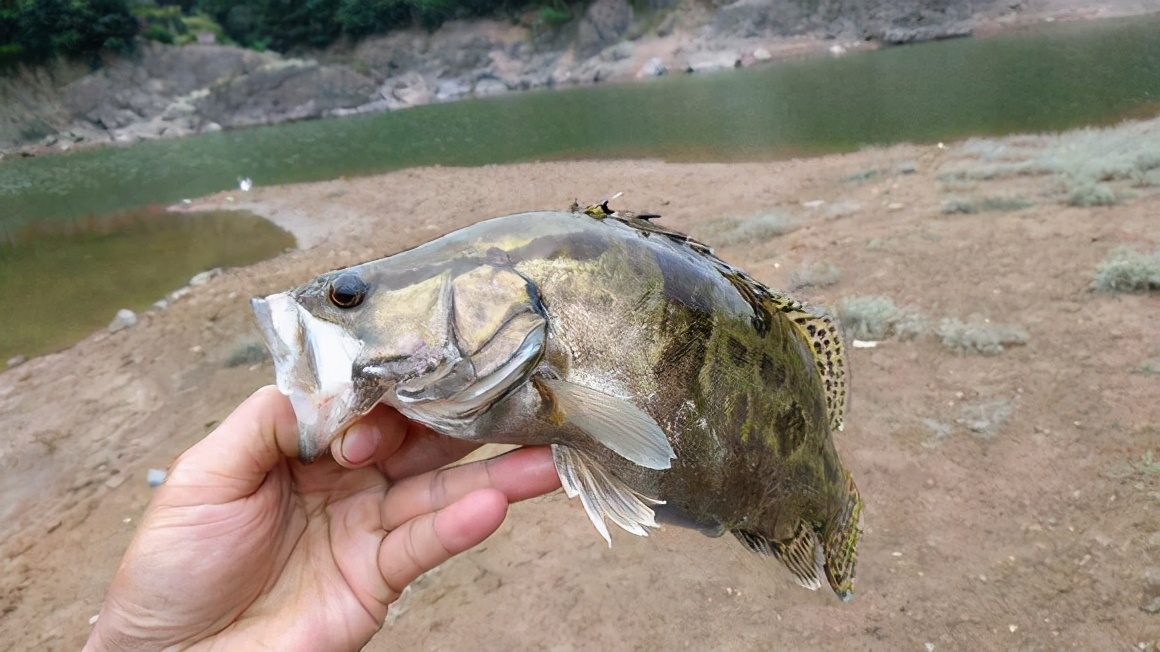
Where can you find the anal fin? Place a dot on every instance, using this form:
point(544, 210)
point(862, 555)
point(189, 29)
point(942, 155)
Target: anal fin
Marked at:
point(602, 494)
point(802, 554)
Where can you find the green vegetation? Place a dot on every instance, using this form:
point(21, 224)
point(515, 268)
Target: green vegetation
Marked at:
point(1128, 270)
point(36, 31)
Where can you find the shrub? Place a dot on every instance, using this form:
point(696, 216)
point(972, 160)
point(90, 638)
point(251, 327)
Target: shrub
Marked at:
point(876, 318)
point(1128, 270)
point(1092, 194)
point(987, 204)
point(979, 335)
point(820, 274)
point(731, 231)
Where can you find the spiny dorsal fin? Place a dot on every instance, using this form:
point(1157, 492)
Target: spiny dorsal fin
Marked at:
point(817, 328)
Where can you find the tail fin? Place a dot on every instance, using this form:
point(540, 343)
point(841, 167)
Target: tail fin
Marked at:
point(840, 542)
point(809, 558)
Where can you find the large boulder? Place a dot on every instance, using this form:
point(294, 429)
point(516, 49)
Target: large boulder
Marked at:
point(604, 24)
point(287, 90)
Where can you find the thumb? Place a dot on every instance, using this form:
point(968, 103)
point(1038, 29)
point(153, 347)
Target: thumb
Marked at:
point(232, 461)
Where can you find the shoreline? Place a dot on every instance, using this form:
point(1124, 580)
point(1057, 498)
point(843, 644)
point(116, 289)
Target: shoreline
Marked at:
point(682, 44)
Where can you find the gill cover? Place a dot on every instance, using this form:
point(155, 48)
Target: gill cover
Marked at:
point(441, 350)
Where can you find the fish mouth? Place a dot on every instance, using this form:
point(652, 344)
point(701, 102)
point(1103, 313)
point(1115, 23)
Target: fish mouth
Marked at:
point(313, 367)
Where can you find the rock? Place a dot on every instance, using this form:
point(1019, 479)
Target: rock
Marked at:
point(451, 89)
point(125, 319)
point(160, 304)
point(406, 90)
point(761, 54)
point(906, 167)
point(837, 50)
point(115, 481)
point(489, 86)
point(899, 35)
point(285, 90)
point(211, 127)
point(16, 361)
point(618, 52)
point(654, 67)
point(713, 61)
point(604, 24)
point(202, 278)
point(155, 477)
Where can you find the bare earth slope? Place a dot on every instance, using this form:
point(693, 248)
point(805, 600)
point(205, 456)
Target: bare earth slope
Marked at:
point(1036, 530)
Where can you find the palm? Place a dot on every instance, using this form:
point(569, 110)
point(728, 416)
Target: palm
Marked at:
point(303, 556)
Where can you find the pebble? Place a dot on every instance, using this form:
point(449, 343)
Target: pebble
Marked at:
point(16, 361)
point(155, 477)
point(115, 481)
point(204, 277)
point(125, 319)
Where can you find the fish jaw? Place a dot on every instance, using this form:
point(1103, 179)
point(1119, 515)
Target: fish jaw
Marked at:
point(313, 367)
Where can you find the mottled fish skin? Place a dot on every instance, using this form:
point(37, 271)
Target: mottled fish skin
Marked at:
point(746, 384)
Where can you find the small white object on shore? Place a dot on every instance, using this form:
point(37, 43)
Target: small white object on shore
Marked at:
point(125, 318)
point(156, 477)
point(245, 184)
point(864, 344)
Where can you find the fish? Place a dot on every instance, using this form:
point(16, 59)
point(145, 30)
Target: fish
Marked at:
point(672, 387)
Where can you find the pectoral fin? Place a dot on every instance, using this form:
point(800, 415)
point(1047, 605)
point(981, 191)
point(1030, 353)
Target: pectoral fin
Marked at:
point(603, 495)
point(621, 426)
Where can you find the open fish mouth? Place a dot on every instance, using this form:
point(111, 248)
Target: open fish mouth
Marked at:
point(313, 367)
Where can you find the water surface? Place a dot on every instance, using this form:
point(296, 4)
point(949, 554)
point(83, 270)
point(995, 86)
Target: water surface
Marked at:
point(1050, 78)
point(62, 283)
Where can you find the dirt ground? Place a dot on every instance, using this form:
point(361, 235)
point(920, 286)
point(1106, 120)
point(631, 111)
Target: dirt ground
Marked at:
point(1041, 531)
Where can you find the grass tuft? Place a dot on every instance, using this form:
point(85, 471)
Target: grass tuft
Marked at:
point(979, 335)
point(990, 204)
point(818, 275)
point(734, 231)
point(1128, 270)
point(876, 318)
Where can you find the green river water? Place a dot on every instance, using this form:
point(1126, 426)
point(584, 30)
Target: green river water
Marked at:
point(1050, 78)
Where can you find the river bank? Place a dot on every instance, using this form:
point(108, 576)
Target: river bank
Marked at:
point(1011, 499)
point(167, 92)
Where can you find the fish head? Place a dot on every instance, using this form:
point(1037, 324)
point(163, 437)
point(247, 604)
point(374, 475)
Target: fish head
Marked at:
point(441, 344)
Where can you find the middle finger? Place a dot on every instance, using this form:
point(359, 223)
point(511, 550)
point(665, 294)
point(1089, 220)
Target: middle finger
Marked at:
point(520, 474)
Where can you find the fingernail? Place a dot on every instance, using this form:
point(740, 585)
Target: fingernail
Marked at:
point(359, 443)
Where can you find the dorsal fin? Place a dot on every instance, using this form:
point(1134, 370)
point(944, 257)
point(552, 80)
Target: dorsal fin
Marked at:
point(815, 327)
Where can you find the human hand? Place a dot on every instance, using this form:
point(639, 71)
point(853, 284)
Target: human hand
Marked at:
point(246, 548)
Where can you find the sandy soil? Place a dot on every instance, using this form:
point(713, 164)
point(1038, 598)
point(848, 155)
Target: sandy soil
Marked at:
point(1040, 534)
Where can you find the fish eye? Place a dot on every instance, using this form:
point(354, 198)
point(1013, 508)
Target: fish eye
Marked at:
point(347, 290)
